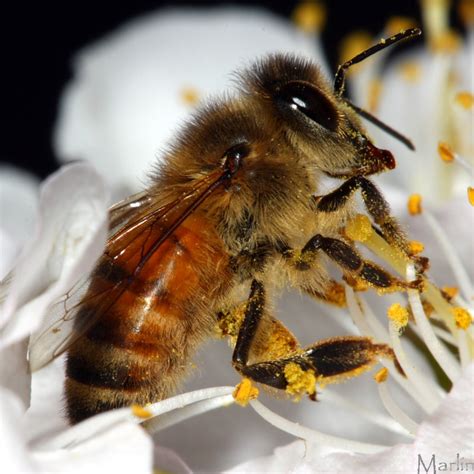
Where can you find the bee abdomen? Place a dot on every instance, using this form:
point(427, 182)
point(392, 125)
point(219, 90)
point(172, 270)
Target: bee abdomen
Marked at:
point(115, 377)
point(102, 376)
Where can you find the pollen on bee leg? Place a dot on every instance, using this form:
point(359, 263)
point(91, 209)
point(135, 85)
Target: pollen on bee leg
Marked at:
point(462, 317)
point(357, 284)
point(228, 323)
point(141, 412)
point(244, 392)
point(398, 315)
point(300, 381)
point(309, 16)
point(336, 294)
point(414, 204)
point(382, 375)
point(359, 229)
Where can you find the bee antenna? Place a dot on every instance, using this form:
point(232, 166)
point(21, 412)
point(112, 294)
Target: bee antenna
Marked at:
point(383, 126)
point(339, 81)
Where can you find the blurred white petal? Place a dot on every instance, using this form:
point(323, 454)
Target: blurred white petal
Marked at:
point(126, 100)
point(47, 401)
point(13, 449)
point(18, 203)
point(9, 252)
point(15, 372)
point(69, 237)
point(168, 461)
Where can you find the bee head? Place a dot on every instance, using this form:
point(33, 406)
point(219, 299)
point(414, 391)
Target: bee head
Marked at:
point(295, 93)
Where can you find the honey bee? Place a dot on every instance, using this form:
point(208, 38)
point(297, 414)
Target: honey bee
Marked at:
point(233, 213)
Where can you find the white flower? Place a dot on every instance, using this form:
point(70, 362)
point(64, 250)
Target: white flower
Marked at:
point(123, 105)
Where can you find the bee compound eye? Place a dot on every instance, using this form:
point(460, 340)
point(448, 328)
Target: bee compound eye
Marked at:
point(234, 156)
point(310, 101)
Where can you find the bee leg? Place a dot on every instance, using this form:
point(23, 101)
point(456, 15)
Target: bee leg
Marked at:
point(334, 293)
point(254, 312)
point(375, 204)
point(349, 260)
point(286, 366)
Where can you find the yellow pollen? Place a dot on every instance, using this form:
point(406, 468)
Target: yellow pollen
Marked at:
point(414, 204)
point(410, 71)
point(461, 317)
point(447, 42)
point(398, 315)
point(141, 412)
point(309, 16)
point(465, 99)
point(374, 93)
point(352, 45)
point(357, 284)
point(450, 291)
point(416, 247)
point(466, 12)
point(445, 152)
point(336, 294)
point(395, 24)
point(470, 195)
point(189, 95)
point(382, 375)
point(299, 381)
point(359, 228)
point(244, 392)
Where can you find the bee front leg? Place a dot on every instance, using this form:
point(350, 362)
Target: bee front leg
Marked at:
point(293, 369)
point(375, 204)
point(347, 258)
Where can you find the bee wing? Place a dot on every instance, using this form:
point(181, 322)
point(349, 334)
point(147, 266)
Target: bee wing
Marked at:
point(124, 210)
point(136, 218)
point(56, 333)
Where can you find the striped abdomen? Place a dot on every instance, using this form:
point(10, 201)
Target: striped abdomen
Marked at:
point(143, 332)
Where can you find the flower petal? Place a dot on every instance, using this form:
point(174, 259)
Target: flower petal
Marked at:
point(121, 447)
point(70, 235)
point(13, 450)
point(129, 92)
point(166, 460)
point(14, 371)
point(18, 203)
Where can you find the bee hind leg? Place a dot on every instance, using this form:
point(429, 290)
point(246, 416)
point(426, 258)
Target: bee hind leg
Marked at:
point(298, 370)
